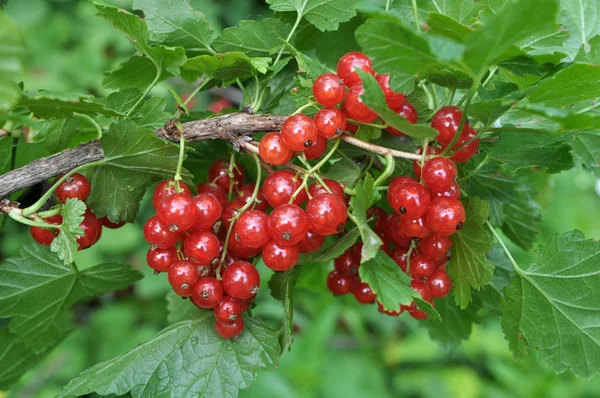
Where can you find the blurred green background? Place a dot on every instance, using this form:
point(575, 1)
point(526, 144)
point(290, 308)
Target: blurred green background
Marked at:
point(341, 348)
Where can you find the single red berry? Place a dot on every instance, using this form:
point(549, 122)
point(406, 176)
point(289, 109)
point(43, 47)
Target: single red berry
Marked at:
point(410, 199)
point(416, 227)
point(228, 310)
point(178, 211)
point(241, 280)
point(417, 313)
point(273, 151)
point(326, 214)
point(339, 283)
point(311, 242)
point(330, 122)
point(166, 188)
point(431, 150)
point(439, 173)
point(280, 186)
point(219, 173)
point(160, 260)
point(76, 186)
point(298, 132)
point(354, 106)
point(246, 304)
point(447, 121)
point(386, 312)
point(400, 256)
point(182, 276)
point(252, 228)
point(351, 127)
point(216, 106)
point(452, 192)
point(393, 230)
point(229, 330)
point(92, 229)
point(202, 246)
point(317, 149)
point(468, 151)
point(208, 209)
point(421, 288)
point(436, 246)
point(207, 292)
point(244, 194)
point(347, 64)
point(328, 89)
point(158, 234)
point(214, 190)
point(279, 258)
point(240, 250)
point(105, 221)
point(439, 284)
point(335, 187)
point(288, 225)
point(348, 262)
point(363, 294)
point(446, 216)
point(45, 236)
point(400, 180)
point(421, 266)
point(230, 211)
point(407, 111)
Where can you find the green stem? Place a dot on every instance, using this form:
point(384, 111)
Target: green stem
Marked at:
point(476, 169)
point(13, 153)
point(317, 177)
point(287, 40)
point(177, 177)
point(423, 158)
point(379, 126)
point(230, 174)
point(91, 121)
point(430, 99)
point(24, 220)
point(493, 70)
point(412, 247)
point(387, 5)
point(387, 171)
point(518, 130)
point(148, 89)
point(305, 106)
point(415, 13)
point(518, 269)
point(196, 90)
point(49, 213)
point(314, 169)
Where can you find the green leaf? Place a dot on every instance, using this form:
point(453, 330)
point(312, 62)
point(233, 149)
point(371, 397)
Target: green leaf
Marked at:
point(226, 67)
point(547, 41)
point(374, 98)
point(186, 358)
point(517, 20)
point(11, 67)
point(568, 118)
point(463, 11)
point(541, 305)
point(48, 105)
point(518, 150)
point(578, 82)
point(590, 55)
point(134, 160)
point(282, 288)
point(59, 134)
point(580, 18)
point(65, 244)
point(366, 195)
point(336, 249)
point(586, 148)
point(368, 133)
point(122, 101)
point(457, 323)
point(344, 171)
point(38, 273)
point(468, 267)
point(136, 72)
point(253, 38)
point(307, 65)
point(179, 309)
point(324, 14)
point(15, 359)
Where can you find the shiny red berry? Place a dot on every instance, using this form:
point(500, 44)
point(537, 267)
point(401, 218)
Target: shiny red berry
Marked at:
point(328, 89)
point(363, 294)
point(273, 151)
point(407, 111)
point(288, 225)
point(467, 151)
point(347, 64)
point(228, 310)
point(393, 230)
point(354, 106)
point(161, 260)
point(229, 330)
point(244, 194)
point(446, 216)
point(214, 190)
point(421, 288)
point(447, 121)
point(202, 246)
point(439, 284)
point(311, 242)
point(409, 199)
point(45, 236)
point(219, 173)
point(421, 266)
point(330, 122)
point(238, 249)
point(439, 173)
point(298, 132)
point(334, 186)
point(166, 188)
point(182, 276)
point(452, 192)
point(279, 187)
point(317, 149)
point(92, 228)
point(252, 228)
point(76, 186)
point(415, 227)
point(436, 246)
point(207, 292)
point(241, 280)
point(159, 234)
point(105, 221)
point(230, 211)
point(279, 258)
point(326, 214)
point(208, 209)
point(384, 83)
point(339, 283)
point(348, 262)
point(417, 163)
point(178, 211)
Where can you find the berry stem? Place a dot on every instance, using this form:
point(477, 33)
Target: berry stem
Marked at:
point(415, 13)
point(518, 269)
point(413, 246)
point(316, 175)
point(377, 126)
point(177, 177)
point(476, 169)
point(305, 106)
point(287, 40)
point(49, 213)
point(423, 158)
point(14, 214)
point(310, 172)
point(196, 91)
point(390, 165)
point(387, 5)
point(91, 121)
point(148, 89)
point(230, 173)
point(380, 150)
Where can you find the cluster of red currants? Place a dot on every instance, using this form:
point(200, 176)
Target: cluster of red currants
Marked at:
point(75, 186)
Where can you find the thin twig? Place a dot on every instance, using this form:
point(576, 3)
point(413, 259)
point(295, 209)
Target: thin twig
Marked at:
point(380, 150)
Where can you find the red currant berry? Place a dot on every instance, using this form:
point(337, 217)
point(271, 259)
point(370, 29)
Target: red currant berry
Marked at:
point(447, 121)
point(92, 229)
point(421, 288)
point(208, 211)
point(158, 234)
point(310, 243)
point(326, 214)
point(229, 330)
point(214, 190)
point(182, 276)
point(228, 310)
point(280, 186)
point(318, 148)
point(45, 236)
point(273, 151)
point(178, 211)
point(76, 186)
point(339, 283)
point(417, 163)
point(400, 256)
point(245, 193)
point(328, 89)
point(348, 262)
point(351, 127)
point(393, 230)
point(207, 292)
point(218, 173)
point(230, 211)
point(468, 151)
point(436, 246)
point(238, 249)
point(446, 216)
point(415, 228)
point(335, 187)
point(439, 284)
point(330, 122)
point(407, 111)
point(363, 294)
point(105, 221)
point(452, 192)
point(410, 199)
point(298, 132)
point(252, 228)
point(279, 258)
point(347, 64)
point(166, 188)
point(354, 106)
point(160, 260)
point(421, 266)
point(202, 246)
point(241, 280)
point(439, 174)
point(288, 225)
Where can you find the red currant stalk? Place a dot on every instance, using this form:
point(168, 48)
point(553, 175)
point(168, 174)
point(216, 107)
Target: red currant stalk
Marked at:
point(177, 177)
point(17, 215)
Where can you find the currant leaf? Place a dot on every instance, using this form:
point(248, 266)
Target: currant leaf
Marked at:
point(324, 14)
point(457, 324)
point(334, 250)
point(580, 18)
point(253, 38)
point(365, 196)
point(586, 148)
point(578, 82)
point(344, 171)
point(46, 104)
point(225, 67)
point(65, 244)
point(60, 134)
point(16, 359)
point(136, 71)
point(11, 53)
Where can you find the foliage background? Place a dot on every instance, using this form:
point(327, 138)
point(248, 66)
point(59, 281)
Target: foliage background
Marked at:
point(341, 348)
